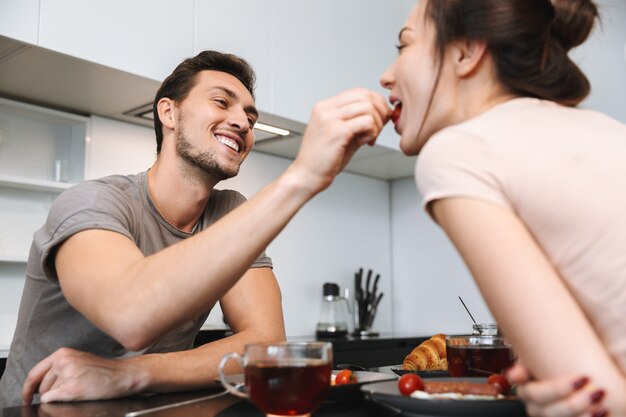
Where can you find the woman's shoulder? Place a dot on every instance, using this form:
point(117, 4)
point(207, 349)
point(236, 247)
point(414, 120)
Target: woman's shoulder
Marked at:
point(522, 121)
point(544, 113)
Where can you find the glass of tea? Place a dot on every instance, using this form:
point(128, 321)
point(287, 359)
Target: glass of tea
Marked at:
point(283, 379)
point(478, 354)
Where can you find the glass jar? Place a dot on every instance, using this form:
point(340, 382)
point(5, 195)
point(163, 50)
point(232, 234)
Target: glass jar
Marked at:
point(485, 329)
point(333, 319)
point(480, 354)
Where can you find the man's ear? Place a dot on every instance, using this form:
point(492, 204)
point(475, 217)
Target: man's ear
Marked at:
point(468, 56)
point(165, 109)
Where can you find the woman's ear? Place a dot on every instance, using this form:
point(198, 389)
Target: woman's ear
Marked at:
point(165, 109)
point(468, 56)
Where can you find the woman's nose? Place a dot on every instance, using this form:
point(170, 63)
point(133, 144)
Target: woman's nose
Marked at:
point(386, 79)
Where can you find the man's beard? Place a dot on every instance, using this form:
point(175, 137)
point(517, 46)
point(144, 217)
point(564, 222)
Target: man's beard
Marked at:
point(206, 161)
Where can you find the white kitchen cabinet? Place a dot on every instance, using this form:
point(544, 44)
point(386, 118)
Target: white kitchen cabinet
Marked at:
point(118, 148)
point(19, 19)
point(321, 47)
point(241, 27)
point(12, 283)
point(42, 153)
point(144, 37)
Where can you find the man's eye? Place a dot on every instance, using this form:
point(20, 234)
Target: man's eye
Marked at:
point(221, 102)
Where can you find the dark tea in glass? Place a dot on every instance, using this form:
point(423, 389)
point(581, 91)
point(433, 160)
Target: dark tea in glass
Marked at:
point(284, 379)
point(477, 355)
point(288, 389)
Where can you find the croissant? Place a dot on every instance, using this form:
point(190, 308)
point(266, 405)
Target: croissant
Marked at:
point(430, 355)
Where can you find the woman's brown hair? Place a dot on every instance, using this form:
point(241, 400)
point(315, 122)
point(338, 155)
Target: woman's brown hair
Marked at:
point(528, 39)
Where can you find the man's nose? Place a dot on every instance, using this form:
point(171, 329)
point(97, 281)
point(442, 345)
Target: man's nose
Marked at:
point(239, 121)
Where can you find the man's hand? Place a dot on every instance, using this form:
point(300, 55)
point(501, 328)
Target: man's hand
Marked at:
point(338, 127)
point(69, 374)
point(566, 396)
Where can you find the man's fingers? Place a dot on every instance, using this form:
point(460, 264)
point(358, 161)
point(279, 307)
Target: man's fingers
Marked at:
point(34, 378)
point(362, 108)
point(47, 382)
point(381, 105)
point(364, 128)
point(58, 394)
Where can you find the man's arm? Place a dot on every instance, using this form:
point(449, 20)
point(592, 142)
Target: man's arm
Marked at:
point(108, 280)
point(253, 308)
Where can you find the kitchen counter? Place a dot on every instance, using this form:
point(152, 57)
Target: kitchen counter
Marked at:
point(370, 352)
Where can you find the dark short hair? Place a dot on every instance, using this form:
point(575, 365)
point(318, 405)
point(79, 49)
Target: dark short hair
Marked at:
point(528, 39)
point(178, 84)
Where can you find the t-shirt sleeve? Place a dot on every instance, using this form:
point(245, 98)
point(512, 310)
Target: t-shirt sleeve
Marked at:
point(454, 163)
point(89, 205)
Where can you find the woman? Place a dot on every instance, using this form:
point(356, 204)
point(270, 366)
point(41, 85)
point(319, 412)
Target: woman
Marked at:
point(529, 188)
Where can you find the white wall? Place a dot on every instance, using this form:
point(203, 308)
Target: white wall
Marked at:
point(602, 59)
point(342, 229)
point(429, 275)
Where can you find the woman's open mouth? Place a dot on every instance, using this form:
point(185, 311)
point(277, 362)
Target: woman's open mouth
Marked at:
point(397, 110)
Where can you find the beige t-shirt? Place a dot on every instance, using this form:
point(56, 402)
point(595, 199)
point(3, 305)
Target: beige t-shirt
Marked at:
point(562, 170)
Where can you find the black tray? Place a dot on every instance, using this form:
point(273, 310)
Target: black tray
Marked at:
point(387, 393)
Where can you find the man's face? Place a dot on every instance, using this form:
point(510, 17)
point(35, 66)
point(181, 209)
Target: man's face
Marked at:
point(214, 125)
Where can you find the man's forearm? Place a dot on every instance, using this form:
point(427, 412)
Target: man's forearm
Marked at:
point(192, 369)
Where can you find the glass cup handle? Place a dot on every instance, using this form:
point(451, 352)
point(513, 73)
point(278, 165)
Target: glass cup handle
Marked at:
point(230, 387)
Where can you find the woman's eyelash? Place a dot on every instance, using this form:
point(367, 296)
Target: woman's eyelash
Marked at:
point(399, 47)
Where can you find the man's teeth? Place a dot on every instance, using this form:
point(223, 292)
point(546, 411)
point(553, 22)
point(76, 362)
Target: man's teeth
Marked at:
point(228, 142)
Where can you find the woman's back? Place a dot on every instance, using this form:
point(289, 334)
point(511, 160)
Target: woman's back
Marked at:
point(562, 171)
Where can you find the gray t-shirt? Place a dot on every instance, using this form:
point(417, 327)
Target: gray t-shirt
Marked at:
point(46, 320)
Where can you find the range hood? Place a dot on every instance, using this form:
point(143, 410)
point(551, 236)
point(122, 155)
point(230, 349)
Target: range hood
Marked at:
point(40, 76)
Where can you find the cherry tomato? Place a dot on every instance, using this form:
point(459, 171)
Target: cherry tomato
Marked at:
point(409, 383)
point(395, 113)
point(501, 381)
point(344, 376)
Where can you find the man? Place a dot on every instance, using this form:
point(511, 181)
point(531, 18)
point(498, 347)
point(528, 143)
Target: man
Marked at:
point(125, 270)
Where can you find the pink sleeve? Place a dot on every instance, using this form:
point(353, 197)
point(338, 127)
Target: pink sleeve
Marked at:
point(454, 163)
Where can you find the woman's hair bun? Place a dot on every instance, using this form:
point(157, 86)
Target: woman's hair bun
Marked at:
point(573, 21)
